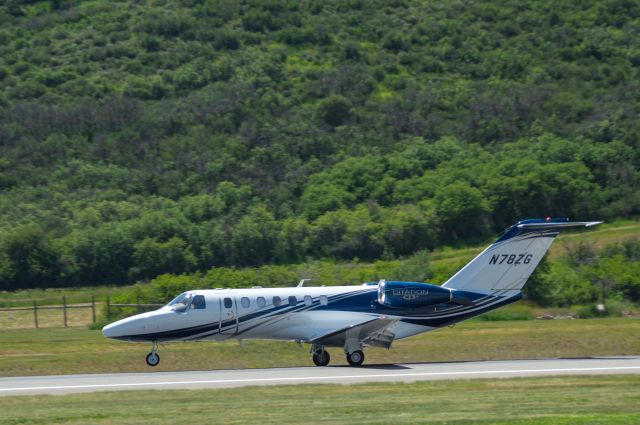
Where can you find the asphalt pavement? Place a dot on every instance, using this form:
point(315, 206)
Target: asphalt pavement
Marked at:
point(65, 384)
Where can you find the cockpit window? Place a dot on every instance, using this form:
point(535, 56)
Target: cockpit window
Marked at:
point(184, 299)
point(198, 302)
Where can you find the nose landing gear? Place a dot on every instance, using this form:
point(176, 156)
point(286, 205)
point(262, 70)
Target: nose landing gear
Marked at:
point(320, 356)
point(153, 358)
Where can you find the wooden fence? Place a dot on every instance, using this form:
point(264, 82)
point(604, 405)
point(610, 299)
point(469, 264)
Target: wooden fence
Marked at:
point(139, 307)
point(38, 311)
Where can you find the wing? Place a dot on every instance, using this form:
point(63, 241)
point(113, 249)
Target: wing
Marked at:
point(375, 332)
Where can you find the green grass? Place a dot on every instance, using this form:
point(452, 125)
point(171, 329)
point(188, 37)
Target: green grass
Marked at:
point(66, 351)
point(556, 400)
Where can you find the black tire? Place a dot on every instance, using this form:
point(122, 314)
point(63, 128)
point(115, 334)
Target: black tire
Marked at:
point(356, 358)
point(321, 359)
point(153, 359)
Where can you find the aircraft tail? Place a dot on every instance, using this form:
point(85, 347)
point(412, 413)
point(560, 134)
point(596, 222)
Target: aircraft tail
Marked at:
point(507, 263)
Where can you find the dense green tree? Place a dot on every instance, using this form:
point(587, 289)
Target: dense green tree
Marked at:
point(254, 238)
point(222, 133)
point(28, 259)
point(540, 288)
point(335, 110)
point(103, 254)
point(410, 228)
point(152, 258)
point(463, 210)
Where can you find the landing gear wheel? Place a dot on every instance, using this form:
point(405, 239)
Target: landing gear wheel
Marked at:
point(322, 358)
point(153, 359)
point(356, 358)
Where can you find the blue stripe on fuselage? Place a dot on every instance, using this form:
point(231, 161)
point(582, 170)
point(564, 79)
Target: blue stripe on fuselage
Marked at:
point(361, 301)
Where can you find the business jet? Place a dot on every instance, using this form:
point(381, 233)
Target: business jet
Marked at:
point(350, 317)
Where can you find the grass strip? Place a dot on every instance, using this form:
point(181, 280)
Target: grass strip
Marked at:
point(613, 399)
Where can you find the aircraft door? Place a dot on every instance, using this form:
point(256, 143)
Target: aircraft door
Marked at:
point(228, 315)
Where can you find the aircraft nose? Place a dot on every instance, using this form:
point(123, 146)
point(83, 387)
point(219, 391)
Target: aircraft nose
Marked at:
point(123, 327)
point(111, 330)
point(130, 328)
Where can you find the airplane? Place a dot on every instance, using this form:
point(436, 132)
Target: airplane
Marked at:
point(350, 317)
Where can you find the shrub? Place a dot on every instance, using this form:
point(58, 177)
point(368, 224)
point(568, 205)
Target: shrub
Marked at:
point(226, 40)
point(520, 312)
point(146, 88)
point(169, 25)
point(335, 110)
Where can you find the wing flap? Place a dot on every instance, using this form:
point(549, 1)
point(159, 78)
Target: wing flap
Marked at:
point(374, 332)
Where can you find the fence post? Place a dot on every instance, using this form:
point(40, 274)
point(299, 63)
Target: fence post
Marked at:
point(35, 313)
point(137, 303)
point(64, 309)
point(108, 308)
point(93, 307)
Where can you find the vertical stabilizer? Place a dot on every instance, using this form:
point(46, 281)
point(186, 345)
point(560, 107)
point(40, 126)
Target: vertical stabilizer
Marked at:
point(508, 262)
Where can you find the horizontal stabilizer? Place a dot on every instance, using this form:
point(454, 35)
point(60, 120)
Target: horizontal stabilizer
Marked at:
point(549, 225)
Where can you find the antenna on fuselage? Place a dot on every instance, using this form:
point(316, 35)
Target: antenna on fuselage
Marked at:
point(301, 283)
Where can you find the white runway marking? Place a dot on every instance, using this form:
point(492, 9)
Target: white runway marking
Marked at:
point(389, 373)
point(313, 378)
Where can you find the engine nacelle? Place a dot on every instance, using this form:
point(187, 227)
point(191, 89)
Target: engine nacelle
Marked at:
point(412, 294)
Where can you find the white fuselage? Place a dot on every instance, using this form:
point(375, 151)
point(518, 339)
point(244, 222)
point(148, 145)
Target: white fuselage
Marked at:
point(294, 313)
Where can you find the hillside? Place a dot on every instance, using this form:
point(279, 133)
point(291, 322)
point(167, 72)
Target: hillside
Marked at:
point(141, 138)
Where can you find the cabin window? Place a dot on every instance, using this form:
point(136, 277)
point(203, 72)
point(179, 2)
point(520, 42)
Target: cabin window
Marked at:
point(277, 301)
point(308, 300)
point(198, 302)
point(261, 302)
point(324, 300)
point(244, 301)
point(228, 303)
point(293, 300)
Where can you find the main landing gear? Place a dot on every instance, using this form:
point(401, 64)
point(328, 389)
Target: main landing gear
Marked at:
point(321, 356)
point(353, 350)
point(153, 358)
point(355, 358)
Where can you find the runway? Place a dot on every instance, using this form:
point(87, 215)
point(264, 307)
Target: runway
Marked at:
point(65, 384)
